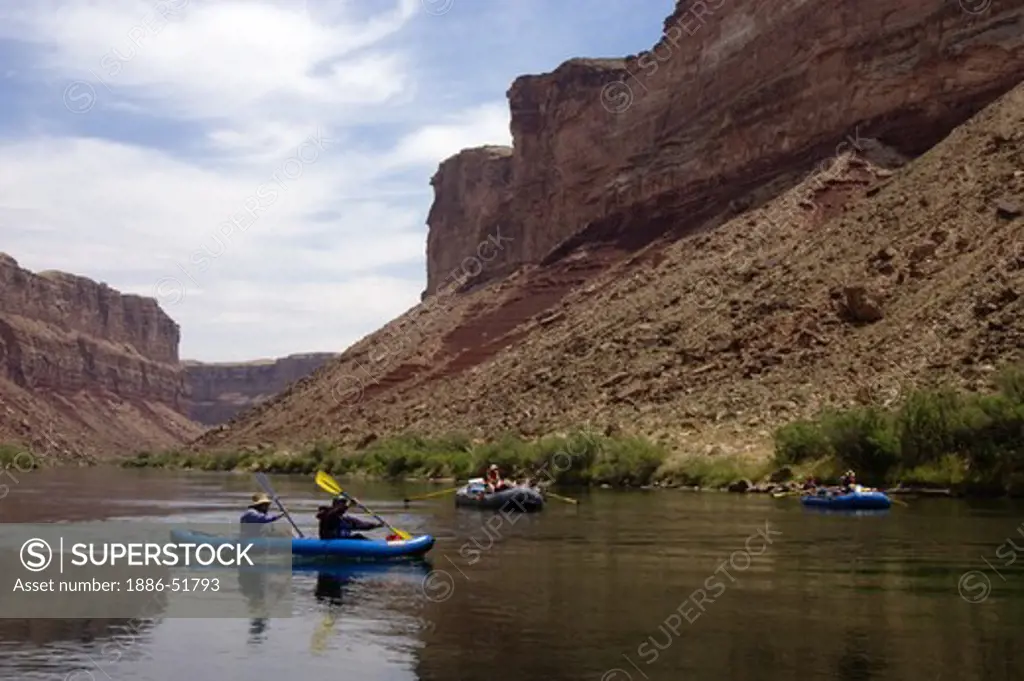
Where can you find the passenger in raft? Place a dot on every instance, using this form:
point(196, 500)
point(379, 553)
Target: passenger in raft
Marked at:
point(335, 524)
point(256, 516)
point(848, 483)
point(494, 481)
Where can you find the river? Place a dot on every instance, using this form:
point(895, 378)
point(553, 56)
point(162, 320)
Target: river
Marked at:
point(627, 586)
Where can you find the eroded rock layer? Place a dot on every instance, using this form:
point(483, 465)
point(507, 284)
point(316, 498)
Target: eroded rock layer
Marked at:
point(219, 391)
point(86, 370)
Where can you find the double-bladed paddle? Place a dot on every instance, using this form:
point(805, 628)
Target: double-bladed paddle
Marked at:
point(331, 486)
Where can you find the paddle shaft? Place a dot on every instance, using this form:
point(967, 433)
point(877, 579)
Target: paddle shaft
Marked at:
point(386, 523)
point(265, 484)
point(432, 494)
point(561, 498)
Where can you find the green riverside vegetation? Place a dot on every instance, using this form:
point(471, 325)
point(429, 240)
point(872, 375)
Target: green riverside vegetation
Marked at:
point(18, 458)
point(577, 458)
point(935, 438)
point(938, 437)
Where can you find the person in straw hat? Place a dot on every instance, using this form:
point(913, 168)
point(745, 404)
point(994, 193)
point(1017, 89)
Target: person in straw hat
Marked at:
point(257, 515)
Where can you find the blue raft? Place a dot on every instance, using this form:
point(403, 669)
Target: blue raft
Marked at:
point(854, 501)
point(323, 549)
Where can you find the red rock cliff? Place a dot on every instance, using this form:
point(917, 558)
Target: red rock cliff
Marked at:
point(85, 369)
point(473, 191)
point(684, 277)
point(737, 93)
point(220, 391)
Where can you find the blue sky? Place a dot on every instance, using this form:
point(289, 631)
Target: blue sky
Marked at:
point(262, 167)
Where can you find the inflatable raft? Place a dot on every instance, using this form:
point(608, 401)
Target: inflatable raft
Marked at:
point(512, 499)
point(327, 549)
point(855, 501)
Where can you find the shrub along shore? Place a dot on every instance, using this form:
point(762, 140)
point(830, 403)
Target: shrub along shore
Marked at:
point(970, 443)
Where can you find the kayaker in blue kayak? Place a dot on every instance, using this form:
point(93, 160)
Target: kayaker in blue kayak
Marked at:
point(257, 515)
point(335, 524)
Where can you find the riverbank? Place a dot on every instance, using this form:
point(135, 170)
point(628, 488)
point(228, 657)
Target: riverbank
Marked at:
point(935, 439)
point(576, 458)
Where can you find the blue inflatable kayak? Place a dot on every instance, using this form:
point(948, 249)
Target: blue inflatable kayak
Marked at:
point(331, 549)
point(855, 501)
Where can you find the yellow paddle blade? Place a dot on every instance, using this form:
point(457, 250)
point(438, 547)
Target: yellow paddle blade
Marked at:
point(327, 483)
point(568, 500)
point(321, 634)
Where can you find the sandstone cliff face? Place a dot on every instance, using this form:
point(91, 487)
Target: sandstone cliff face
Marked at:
point(472, 192)
point(737, 93)
point(95, 370)
point(681, 273)
point(220, 391)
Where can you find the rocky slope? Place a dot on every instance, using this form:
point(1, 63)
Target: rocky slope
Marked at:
point(86, 370)
point(680, 268)
point(219, 391)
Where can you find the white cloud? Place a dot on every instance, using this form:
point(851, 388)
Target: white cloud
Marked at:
point(329, 237)
point(439, 141)
point(129, 137)
point(217, 59)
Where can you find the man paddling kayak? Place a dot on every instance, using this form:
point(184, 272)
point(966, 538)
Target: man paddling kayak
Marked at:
point(335, 524)
point(257, 515)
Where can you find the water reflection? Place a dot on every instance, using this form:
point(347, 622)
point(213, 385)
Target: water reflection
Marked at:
point(335, 589)
point(255, 586)
point(858, 662)
point(329, 588)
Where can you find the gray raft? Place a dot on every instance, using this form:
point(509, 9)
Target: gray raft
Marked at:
point(510, 500)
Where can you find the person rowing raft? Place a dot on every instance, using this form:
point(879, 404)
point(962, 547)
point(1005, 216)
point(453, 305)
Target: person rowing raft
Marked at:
point(494, 480)
point(848, 483)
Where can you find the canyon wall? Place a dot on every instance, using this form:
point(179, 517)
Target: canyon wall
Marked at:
point(95, 370)
point(672, 260)
point(736, 94)
point(219, 391)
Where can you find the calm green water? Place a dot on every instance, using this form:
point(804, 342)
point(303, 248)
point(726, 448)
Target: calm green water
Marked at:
point(627, 586)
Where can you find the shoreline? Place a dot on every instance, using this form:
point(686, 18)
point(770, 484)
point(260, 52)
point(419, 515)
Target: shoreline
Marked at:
point(935, 442)
point(738, 485)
